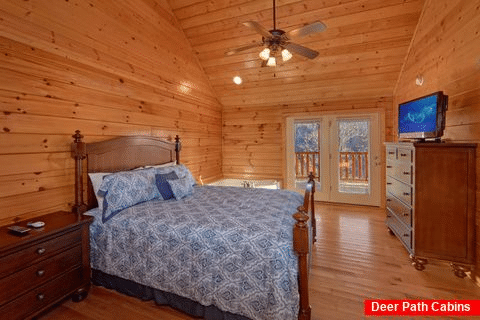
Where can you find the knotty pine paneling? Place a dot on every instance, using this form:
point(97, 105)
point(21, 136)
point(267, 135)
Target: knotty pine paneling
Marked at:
point(253, 136)
point(446, 51)
point(361, 55)
point(107, 68)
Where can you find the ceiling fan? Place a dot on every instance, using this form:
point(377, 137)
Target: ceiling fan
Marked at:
point(278, 41)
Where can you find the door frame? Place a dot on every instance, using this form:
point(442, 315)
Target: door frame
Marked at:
point(289, 119)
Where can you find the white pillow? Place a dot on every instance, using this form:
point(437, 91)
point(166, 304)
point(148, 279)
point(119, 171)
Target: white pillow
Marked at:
point(165, 165)
point(97, 178)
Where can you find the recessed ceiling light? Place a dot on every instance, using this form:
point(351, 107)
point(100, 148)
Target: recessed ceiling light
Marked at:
point(237, 80)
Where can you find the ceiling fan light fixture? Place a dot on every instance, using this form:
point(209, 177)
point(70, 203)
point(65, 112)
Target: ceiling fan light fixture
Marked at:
point(286, 55)
point(272, 62)
point(265, 54)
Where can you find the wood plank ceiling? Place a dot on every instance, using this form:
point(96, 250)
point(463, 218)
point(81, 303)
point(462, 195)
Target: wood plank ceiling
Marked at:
point(361, 52)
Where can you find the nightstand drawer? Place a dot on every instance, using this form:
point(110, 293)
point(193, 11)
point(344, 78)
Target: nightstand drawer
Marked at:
point(39, 273)
point(16, 261)
point(40, 297)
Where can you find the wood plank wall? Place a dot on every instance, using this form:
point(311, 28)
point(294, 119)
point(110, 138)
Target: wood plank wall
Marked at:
point(253, 136)
point(107, 68)
point(446, 51)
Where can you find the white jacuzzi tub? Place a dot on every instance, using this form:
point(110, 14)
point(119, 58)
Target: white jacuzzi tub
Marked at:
point(245, 183)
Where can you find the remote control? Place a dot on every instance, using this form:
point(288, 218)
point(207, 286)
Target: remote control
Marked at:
point(19, 230)
point(36, 224)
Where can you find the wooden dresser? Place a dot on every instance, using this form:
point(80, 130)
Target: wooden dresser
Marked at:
point(431, 201)
point(46, 265)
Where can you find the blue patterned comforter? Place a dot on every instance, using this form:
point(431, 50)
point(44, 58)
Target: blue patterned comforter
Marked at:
point(224, 246)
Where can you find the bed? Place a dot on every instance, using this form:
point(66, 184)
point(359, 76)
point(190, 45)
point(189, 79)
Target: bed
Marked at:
point(213, 252)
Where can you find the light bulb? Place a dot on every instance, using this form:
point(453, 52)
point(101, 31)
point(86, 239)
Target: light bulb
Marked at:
point(237, 80)
point(265, 54)
point(286, 55)
point(271, 62)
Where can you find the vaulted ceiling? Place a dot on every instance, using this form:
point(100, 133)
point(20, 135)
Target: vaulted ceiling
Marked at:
point(361, 52)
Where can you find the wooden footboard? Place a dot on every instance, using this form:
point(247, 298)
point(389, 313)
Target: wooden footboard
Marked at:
point(301, 244)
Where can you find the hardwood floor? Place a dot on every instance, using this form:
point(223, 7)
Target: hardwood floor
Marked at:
point(355, 258)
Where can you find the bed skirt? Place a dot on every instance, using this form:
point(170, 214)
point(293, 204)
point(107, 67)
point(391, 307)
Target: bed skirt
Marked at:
point(146, 293)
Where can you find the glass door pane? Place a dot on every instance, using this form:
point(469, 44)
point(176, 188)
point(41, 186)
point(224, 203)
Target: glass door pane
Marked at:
point(353, 156)
point(307, 152)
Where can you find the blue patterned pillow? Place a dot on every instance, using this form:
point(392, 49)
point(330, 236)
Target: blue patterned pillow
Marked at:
point(125, 189)
point(181, 187)
point(181, 171)
point(163, 186)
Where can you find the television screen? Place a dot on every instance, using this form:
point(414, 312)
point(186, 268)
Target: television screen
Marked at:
point(422, 117)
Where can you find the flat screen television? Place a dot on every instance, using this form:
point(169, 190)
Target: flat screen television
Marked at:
point(423, 118)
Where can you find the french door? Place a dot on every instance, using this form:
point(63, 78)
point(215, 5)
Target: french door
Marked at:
point(343, 153)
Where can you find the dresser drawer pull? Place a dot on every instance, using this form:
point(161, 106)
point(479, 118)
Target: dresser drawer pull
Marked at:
point(405, 234)
point(391, 152)
point(406, 214)
point(406, 194)
point(389, 167)
point(406, 173)
point(40, 273)
point(40, 296)
point(41, 250)
point(389, 183)
point(403, 154)
point(388, 200)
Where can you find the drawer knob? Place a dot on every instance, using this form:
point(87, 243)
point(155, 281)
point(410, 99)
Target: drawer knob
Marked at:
point(406, 214)
point(406, 194)
point(405, 234)
point(40, 273)
point(389, 167)
point(41, 250)
point(388, 200)
point(389, 183)
point(391, 152)
point(40, 296)
point(406, 173)
point(403, 154)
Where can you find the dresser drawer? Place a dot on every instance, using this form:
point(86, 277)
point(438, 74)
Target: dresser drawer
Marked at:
point(16, 261)
point(405, 155)
point(39, 273)
point(400, 190)
point(401, 231)
point(402, 211)
point(391, 153)
point(403, 172)
point(40, 297)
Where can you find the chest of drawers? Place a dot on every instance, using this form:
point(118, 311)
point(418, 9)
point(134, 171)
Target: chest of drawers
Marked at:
point(43, 267)
point(430, 197)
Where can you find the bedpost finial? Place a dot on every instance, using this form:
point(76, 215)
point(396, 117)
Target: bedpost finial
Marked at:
point(77, 136)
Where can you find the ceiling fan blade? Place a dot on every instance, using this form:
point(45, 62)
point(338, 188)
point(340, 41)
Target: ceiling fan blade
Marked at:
point(258, 28)
point(306, 30)
point(301, 50)
point(240, 49)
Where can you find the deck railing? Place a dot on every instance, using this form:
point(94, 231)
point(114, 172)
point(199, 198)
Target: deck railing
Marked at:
point(307, 162)
point(353, 166)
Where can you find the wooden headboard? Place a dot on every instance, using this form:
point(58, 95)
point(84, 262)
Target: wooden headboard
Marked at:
point(117, 154)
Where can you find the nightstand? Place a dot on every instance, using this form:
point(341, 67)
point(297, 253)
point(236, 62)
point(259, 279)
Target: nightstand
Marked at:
point(44, 266)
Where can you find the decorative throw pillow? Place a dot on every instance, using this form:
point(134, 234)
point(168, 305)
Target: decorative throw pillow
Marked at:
point(125, 189)
point(181, 171)
point(181, 187)
point(163, 186)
